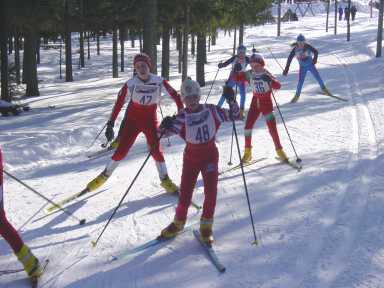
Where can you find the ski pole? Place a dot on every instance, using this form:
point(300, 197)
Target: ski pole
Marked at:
point(94, 243)
point(230, 155)
point(162, 117)
point(273, 55)
point(298, 160)
point(81, 221)
point(97, 136)
point(255, 242)
point(214, 79)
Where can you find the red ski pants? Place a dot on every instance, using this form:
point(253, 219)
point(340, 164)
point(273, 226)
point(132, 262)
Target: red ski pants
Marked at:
point(131, 129)
point(265, 107)
point(9, 233)
point(207, 164)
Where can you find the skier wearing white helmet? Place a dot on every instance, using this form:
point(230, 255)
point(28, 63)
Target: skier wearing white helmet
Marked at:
point(198, 124)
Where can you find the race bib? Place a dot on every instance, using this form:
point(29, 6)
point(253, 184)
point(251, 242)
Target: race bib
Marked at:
point(146, 94)
point(302, 53)
point(200, 127)
point(259, 85)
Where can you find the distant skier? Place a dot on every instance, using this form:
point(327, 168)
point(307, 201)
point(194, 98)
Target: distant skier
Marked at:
point(346, 13)
point(236, 77)
point(303, 52)
point(197, 124)
point(262, 83)
point(31, 264)
point(353, 12)
point(143, 93)
point(341, 11)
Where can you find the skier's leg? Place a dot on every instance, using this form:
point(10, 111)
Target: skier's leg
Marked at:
point(316, 74)
point(229, 83)
point(271, 124)
point(302, 72)
point(252, 116)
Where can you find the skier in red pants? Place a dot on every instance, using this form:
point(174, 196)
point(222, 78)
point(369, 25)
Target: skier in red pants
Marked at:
point(30, 262)
point(197, 124)
point(143, 92)
point(262, 83)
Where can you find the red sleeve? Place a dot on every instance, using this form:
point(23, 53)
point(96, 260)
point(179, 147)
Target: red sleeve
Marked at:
point(119, 102)
point(275, 84)
point(173, 93)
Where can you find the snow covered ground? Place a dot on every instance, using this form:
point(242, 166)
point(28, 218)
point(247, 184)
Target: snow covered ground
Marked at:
point(321, 227)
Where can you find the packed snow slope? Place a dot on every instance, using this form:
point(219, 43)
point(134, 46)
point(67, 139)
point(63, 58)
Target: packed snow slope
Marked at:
point(319, 228)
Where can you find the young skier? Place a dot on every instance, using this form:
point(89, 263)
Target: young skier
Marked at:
point(31, 264)
point(303, 52)
point(262, 83)
point(197, 124)
point(143, 92)
point(236, 77)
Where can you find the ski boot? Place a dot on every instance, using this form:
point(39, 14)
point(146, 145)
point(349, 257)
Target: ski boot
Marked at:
point(295, 98)
point(30, 262)
point(168, 185)
point(326, 91)
point(172, 229)
point(247, 157)
point(206, 230)
point(281, 155)
point(114, 144)
point(98, 181)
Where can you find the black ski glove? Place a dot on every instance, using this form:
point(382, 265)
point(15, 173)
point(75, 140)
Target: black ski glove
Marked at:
point(167, 122)
point(220, 65)
point(237, 67)
point(285, 72)
point(109, 134)
point(266, 78)
point(229, 94)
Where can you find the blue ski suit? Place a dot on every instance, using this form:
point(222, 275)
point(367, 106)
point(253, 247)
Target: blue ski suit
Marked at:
point(306, 62)
point(236, 77)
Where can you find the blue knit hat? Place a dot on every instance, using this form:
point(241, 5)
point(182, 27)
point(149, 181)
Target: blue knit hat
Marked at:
point(300, 38)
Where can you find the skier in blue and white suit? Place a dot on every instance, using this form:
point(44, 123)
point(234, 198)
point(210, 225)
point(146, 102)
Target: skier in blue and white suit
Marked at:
point(303, 53)
point(237, 76)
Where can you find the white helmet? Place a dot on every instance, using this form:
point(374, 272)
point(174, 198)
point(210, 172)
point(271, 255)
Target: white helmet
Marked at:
point(190, 88)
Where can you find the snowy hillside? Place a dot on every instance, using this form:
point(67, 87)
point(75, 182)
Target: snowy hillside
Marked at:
point(322, 227)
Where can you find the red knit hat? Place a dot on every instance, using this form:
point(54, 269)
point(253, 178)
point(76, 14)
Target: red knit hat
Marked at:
point(258, 58)
point(142, 57)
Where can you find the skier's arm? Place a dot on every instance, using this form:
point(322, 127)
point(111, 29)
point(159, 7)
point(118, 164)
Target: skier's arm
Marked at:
point(224, 115)
point(315, 53)
point(121, 97)
point(289, 60)
point(173, 93)
point(226, 63)
point(173, 125)
point(274, 83)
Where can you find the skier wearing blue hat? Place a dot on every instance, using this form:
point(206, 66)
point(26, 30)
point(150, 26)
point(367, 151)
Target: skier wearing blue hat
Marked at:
point(237, 76)
point(303, 53)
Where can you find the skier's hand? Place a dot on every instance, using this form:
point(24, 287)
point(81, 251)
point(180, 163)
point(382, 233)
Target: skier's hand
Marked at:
point(109, 134)
point(220, 65)
point(265, 77)
point(285, 72)
point(229, 94)
point(314, 61)
point(167, 122)
point(237, 67)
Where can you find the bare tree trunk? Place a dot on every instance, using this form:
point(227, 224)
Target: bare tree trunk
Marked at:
point(200, 58)
point(3, 47)
point(98, 42)
point(348, 22)
point(241, 33)
point(278, 17)
point(68, 47)
point(214, 36)
point(88, 46)
point(234, 42)
point(132, 36)
point(184, 73)
point(30, 62)
point(165, 53)
point(81, 40)
point(193, 45)
point(150, 30)
point(326, 23)
point(141, 41)
point(17, 57)
point(380, 30)
point(335, 28)
point(122, 38)
point(38, 42)
point(179, 44)
point(115, 69)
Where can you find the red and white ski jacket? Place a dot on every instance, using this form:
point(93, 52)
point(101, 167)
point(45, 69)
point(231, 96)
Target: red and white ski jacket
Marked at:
point(143, 97)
